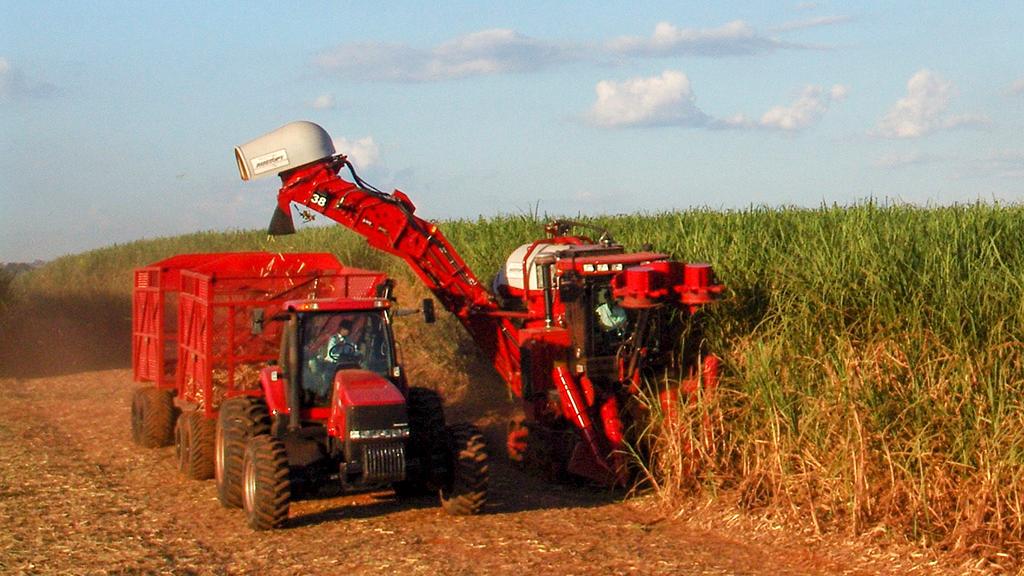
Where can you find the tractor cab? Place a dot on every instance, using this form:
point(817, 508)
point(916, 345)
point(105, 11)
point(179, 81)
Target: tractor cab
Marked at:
point(327, 342)
point(337, 366)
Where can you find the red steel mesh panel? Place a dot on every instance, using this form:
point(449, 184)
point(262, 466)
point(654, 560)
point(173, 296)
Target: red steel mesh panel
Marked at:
point(207, 303)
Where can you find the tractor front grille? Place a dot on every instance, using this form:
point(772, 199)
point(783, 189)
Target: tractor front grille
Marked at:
point(383, 462)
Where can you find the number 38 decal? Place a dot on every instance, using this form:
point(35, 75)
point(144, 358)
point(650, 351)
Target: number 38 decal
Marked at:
point(319, 201)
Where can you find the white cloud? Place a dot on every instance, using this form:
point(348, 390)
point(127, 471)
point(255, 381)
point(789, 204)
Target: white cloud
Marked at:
point(14, 84)
point(363, 152)
point(730, 39)
point(484, 52)
point(668, 100)
point(925, 109)
point(1017, 87)
point(813, 102)
point(811, 23)
point(324, 102)
point(502, 51)
point(656, 101)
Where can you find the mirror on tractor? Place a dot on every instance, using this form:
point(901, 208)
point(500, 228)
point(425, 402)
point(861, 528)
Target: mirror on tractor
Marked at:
point(427, 309)
point(429, 315)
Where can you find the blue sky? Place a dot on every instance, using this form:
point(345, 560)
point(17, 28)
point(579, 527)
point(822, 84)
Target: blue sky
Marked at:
point(117, 119)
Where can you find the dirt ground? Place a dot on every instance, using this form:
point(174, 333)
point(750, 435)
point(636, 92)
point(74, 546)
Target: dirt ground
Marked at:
point(77, 497)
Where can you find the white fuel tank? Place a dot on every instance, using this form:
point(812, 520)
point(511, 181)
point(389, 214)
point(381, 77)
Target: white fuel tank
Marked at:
point(290, 146)
point(521, 265)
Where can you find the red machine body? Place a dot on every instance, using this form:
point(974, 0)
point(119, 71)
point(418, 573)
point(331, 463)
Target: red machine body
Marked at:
point(352, 387)
point(193, 316)
point(539, 326)
point(286, 377)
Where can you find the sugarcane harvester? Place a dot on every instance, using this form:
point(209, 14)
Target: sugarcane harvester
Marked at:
point(576, 327)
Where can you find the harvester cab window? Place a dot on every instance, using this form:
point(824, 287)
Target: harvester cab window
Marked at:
point(608, 323)
point(338, 340)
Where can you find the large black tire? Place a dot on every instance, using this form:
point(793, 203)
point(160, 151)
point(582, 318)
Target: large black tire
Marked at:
point(266, 488)
point(427, 444)
point(239, 419)
point(517, 441)
point(153, 416)
point(465, 492)
point(182, 444)
point(537, 450)
point(201, 432)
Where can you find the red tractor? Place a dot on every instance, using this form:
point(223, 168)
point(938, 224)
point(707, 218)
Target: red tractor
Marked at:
point(330, 402)
point(576, 327)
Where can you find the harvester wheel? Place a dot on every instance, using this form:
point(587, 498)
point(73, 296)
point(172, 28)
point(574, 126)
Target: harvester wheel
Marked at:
point(266, 488)
point(535, 449)
point(239, 419)
point(517, 442)
point(427, 444)
point(153, 415)
point(182, 444)
point(466, 490)
point(200, 446)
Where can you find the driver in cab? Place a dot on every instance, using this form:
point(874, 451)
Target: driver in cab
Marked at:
point(332, 344)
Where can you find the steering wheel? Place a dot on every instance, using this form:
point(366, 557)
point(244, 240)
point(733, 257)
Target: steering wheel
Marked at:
point(343, 351)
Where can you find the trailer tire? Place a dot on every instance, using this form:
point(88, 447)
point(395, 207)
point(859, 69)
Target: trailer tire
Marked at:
point(266, 488)
point(200, 446)
point(428, 443)
point(465, 492)
point(239, 419)
point(182, 444)
point(153, 416)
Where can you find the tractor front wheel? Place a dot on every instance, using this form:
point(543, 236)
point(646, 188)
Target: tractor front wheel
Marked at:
point(266, 489)
point(465, 492)
point(153, 416)
point(239, 419)
point(427, 444)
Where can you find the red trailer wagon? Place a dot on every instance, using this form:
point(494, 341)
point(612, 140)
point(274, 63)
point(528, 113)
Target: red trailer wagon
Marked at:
point(202, 329)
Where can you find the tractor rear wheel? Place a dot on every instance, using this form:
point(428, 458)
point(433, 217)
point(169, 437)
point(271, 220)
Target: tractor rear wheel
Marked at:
point(153, 415)
point(465, 492)
point(239, 419)
point(427, 445)
point(266, 488)
point(200, 446)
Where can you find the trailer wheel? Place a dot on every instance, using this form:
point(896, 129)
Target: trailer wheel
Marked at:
point(182, 444)
point(239, 419)
point(200, 446)
point(153, 416)
point(465, 492)
point(427, 444)
point(266, 487)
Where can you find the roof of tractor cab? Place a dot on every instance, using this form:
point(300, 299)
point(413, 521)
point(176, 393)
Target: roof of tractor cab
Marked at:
point(337, 305)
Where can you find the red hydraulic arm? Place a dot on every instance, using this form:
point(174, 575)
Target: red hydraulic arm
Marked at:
point(388, 223)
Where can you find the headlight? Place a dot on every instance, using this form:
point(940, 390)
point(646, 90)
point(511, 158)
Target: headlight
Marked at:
point(390, 434)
